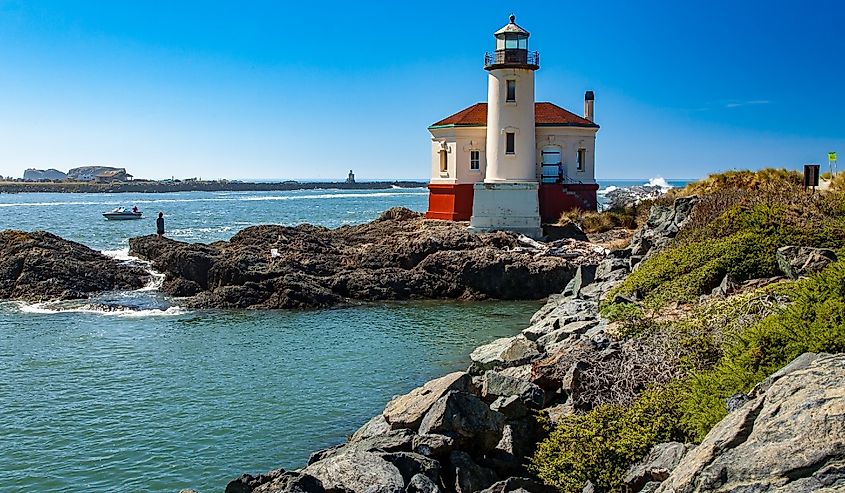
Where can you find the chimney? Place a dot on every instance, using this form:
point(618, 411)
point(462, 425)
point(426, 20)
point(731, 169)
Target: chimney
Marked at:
point(589, 105)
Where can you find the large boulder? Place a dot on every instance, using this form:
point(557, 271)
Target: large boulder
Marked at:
point(503, 353)
point(662, 225)
point(790, 437)
point(465, 417)
point(407, 411)
point(795, 261)
point(41, 266)
point(656, 466)
point(519, 485)
point(357, 472)
point(498, 385)
point(469, 476)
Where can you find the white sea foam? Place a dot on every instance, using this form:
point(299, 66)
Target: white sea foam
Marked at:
point(605, 191)
point(94, 309)
point(156, 278)
point(658, 181)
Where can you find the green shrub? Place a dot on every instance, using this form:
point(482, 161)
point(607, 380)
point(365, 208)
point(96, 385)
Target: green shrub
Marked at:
point(630, 315)
point(599, 222)
point(601, 445)
point(813, 321)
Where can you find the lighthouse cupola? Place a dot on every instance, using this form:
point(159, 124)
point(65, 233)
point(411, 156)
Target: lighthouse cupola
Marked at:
point(512, 49)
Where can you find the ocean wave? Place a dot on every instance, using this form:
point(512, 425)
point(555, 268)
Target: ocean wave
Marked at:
point(605, 191)
point(98, 309)
point(659, 181)
point(48, 204)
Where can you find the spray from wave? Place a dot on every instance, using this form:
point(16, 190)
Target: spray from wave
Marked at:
point(659, 181)
point(97, 309)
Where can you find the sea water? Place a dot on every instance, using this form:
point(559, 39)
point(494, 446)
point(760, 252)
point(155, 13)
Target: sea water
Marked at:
point(131, 392)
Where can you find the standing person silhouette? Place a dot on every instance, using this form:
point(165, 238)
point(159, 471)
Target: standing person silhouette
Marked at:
point(160, 225)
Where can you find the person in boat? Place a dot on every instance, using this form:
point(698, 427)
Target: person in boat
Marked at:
point(134, 209)
point(160, 225)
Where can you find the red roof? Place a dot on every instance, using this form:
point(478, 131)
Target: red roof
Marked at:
point(545, 114)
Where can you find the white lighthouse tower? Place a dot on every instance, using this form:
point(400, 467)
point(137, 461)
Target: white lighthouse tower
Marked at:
point(508, 197)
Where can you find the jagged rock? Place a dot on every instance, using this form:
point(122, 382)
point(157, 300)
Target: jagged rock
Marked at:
point(624, 197)
point(326, 453)
point(512, 406)
point(726, 287)
point(795, 261)
point(569, 230)
point(411, 464)
point(503, 353)
point(558, 412)
point(407, 411)
point(589, 488)
point(292, 482)
point(662, 225)
point(519, 485)
point(400, 256)
point(400, 440)
point(378, 425)
point(611, 269)
point(789, 438)
point(496, 385)
point(584, 275)
point(567, 311)
point(522, 372)
point(469, 476)
point(736, 401)
point(357, 472)
point(41, 266)
point(655, 466)
point(433, 445)
point(467, 418)
point(422, 484)
point(519, 439)
point(566, 332)
point(560, 369)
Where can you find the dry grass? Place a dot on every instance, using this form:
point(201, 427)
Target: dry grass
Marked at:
point(599, 222)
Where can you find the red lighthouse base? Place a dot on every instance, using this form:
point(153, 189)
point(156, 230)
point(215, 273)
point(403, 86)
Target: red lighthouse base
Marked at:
point(557, 198)
point(449, 201)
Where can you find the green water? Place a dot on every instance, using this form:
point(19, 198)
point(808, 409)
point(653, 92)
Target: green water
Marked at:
point(158, 401)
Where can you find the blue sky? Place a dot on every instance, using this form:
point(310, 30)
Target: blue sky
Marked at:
point(312, 89)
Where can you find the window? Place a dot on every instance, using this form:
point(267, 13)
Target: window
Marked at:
point(444, 162)
point(511, 91)
point(510, 138)
point(582, 159)
point(552, 169)
point(474, 160)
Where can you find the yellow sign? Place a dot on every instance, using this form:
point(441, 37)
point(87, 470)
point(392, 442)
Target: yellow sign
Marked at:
point(831, 156)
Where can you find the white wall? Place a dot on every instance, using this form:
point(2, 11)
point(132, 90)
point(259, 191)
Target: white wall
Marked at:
point(460, 141)
point(569, 139)
point(516, 117)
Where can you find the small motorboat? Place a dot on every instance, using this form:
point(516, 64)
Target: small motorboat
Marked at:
point(121, 214)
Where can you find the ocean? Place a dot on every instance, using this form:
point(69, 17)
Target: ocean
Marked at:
point(131, 392)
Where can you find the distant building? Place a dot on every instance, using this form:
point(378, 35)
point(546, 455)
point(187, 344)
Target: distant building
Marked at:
point(51, 174)
point(351, 177)
point(511, 162)
point(89, 173)
point(112, 176)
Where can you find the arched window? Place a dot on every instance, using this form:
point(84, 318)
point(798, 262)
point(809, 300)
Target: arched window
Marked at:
point(444, 160)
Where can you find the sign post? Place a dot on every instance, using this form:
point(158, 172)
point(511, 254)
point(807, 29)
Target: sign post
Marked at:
point(831, 161)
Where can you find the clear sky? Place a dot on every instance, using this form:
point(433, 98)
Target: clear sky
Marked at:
point(312, 89)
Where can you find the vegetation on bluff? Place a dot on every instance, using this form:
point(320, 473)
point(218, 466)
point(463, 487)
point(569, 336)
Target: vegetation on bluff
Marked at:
point(723, 346)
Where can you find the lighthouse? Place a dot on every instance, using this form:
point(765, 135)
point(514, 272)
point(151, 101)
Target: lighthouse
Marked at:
point(512, 163)
point(508, 197)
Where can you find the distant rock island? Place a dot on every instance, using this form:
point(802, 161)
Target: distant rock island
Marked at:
point(51, 174)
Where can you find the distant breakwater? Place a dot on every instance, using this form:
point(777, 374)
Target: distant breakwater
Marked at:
point(195, 186)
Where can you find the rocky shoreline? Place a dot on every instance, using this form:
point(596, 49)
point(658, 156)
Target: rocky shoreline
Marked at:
point(473, 431)
point(41, 266)
point(399, 256)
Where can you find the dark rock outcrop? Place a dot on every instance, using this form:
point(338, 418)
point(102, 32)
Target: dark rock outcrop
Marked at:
point(662, 225)
point(790, 437)
point(41, 266)
point(399, 256)
point(795, 261)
